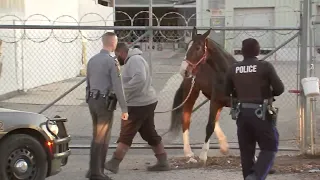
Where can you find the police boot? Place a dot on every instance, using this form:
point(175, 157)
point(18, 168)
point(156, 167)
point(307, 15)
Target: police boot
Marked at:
point(272, 171)
point(162, 163)
point(251, 177)
point(93, 177)
point(118, 155)
point(96, 172)
point(88, 175)
point(265, 161)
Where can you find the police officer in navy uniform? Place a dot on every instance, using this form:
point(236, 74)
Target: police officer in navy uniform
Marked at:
point(253, 82)
point(104, 89)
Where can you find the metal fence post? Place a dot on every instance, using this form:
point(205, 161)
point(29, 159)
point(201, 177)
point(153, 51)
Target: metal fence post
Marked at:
point(312, 73)
point(305, 140)
point(150, 35)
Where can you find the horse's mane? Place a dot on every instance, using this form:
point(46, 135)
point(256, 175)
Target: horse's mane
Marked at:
point(222, 51)
point(221, 58)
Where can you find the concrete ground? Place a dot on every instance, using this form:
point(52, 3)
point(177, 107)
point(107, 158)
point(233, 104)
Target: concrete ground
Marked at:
point(134, 164)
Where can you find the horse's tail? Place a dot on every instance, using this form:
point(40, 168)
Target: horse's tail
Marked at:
point(176, 116)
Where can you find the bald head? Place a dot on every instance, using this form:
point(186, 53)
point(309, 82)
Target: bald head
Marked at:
point(109, 41)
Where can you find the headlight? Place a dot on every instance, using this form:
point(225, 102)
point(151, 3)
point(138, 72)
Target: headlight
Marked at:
point(52, 127)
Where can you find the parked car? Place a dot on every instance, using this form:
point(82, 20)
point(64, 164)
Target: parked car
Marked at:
point(32, 146)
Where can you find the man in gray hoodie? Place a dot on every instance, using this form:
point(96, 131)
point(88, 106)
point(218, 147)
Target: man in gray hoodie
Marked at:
point(142, 101)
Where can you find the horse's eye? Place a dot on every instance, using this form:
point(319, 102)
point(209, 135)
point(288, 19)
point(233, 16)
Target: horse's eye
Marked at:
point(198, 48)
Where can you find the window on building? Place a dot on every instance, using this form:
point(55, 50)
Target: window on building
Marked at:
point(109, 3)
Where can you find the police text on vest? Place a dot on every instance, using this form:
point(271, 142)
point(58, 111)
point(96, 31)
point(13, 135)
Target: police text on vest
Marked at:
point(246, 69)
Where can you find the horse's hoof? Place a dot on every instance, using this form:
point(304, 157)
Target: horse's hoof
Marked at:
point(189, 155)
point(203, 157)
point(203, 162)
point(192, 160)
point(224, 149)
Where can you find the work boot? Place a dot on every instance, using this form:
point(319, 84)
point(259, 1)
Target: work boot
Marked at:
point(161, 155)
point(161, 165)
point(113, 165)
point(88, 174)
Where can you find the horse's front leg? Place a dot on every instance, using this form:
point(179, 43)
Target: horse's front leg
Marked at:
point(214, 126)
point(186, 120)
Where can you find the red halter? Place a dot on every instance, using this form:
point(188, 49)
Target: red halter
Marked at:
point(201, 61)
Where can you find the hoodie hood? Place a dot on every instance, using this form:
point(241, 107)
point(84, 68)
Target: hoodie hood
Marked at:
point(132, 52)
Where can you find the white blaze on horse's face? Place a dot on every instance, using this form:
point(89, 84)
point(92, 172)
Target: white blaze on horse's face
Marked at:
point(183, 68)
point(184, 65)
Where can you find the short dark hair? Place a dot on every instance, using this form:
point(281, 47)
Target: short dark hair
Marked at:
point(122, 46)
point(250, 47)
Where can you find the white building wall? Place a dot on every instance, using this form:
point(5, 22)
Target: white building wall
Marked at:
point(9, 79)
point(49, 61)
point(43, 59)
point(286, 14)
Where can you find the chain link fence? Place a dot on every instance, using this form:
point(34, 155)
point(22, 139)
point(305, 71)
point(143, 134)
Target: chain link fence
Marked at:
point(39, 65)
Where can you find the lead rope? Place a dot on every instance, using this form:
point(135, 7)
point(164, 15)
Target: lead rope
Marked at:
point(192, 85)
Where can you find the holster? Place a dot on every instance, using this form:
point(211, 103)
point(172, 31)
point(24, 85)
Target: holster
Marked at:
point(95, 94)
point(273, 113)
point(87, 94)
point(111, 101)
point(264, 109)
point(235, 108)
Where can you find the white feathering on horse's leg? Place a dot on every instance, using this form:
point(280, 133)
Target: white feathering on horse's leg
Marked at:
point(187, 148)
point(204, 153)
point(186, 144)
point(224, 146)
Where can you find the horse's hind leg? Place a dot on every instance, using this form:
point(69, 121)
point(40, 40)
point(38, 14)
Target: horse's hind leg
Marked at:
point(214, 126)
point(187, 110)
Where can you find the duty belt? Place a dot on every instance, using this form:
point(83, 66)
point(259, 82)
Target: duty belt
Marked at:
point(260, 109)
point(251, 105)
point(97, 94)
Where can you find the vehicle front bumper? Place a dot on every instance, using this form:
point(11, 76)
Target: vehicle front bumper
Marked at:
point(60, 147)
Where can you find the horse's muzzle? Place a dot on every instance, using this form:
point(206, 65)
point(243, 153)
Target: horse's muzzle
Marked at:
point(184, 69)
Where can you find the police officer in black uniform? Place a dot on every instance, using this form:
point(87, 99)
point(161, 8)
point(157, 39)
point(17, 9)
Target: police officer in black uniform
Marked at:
point(104, 89)
point(255, 83)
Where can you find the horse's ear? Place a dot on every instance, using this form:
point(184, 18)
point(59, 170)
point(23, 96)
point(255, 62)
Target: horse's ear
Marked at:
point(205, 35)
point(194, 31)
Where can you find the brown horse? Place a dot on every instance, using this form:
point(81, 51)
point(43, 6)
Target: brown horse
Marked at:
point(208, 62)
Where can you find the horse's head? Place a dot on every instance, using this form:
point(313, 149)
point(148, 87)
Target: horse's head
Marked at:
point(196, 53)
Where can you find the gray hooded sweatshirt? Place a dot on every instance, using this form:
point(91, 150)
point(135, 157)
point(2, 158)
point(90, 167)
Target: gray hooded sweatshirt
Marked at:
point(137, 81)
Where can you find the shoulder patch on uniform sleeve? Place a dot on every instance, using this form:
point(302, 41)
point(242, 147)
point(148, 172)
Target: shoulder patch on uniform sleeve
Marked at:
point(117, 64)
